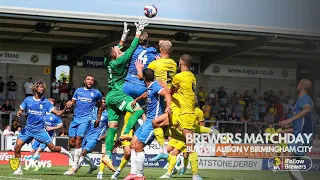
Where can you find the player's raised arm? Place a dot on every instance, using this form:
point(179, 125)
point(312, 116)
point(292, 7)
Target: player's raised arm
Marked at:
point(124, 35)
point(139, 67)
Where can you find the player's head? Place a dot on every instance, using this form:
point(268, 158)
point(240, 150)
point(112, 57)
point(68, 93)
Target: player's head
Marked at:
point(88, 81)
point(304, 85)
point(165, 47)
point(10, 78)
point(103, 102)
point(148, 75)
point(52, 101)
point(39, 87)
point(112, 53)
point(143, 40)
point(185, 62)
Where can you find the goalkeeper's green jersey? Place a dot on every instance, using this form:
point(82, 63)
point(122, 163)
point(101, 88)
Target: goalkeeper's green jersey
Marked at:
point(117, 69)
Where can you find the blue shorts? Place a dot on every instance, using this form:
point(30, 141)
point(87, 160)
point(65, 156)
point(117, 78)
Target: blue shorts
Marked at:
point(89, 144)
point(296, 145)
point(145, 133)
point(76, 129)
point(41, 135)
point(134, 90)
point(36, 144)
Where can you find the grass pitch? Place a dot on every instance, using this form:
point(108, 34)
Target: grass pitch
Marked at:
point(56, 173)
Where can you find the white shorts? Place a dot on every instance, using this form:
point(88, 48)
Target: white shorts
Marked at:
point(64, 96)
point(11, 95)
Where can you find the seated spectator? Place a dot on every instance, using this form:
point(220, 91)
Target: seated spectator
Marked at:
point(246, 98)
point(6, 107)
point(7, 131)
point(262, 107)
point(246, 119)
point(233, 117)
point(222, 114)
point(212, 95)
point(229, 109)
point(272, 98)
point(222, 93)
point(17, 132)
point(216, 108)
point(269, 118)
point(255, 111)
point(249, 109)
point(273, 110)
point(279, 109)
point(281, 97)
point(202, 96)
point(15, 124)
point(206, 108)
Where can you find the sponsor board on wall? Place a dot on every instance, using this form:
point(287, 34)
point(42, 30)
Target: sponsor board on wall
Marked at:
point(243, 150)
point(31, 58)
point(229, 163)
point(47, 159)
point(10, 142)
point(93, 62)
point(251, 72)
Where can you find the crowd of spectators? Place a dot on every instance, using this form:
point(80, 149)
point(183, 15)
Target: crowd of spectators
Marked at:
point(247, 107)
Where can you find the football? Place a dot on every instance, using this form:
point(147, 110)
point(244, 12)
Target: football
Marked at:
point(150, 11)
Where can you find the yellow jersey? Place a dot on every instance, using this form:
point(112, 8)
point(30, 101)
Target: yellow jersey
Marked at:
point(185, 84)
point(199, 114)
point(164, 70)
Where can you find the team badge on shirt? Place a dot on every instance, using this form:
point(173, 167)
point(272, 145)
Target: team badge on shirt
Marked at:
point(41, 106)
point(92, 94)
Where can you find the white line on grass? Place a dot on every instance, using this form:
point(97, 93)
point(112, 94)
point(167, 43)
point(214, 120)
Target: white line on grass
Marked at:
point(11, 177)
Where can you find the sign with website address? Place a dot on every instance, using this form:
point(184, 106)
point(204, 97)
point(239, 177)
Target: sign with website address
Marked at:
point(250, 71)
point(30, 58)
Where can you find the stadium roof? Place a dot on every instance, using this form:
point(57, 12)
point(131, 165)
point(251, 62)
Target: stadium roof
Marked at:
point(79, 33)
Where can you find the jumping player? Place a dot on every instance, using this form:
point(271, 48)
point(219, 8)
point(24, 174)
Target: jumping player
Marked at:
point(52, 123)
point(134, 87)
point(36, 107)
point(84, 99)
point(144, 135)
point(117, 101)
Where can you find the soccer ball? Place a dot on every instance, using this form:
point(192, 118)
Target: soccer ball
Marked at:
point(150, 11)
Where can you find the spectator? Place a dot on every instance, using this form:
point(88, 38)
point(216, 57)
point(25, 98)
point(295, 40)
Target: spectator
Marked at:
point(7, 131)
point(291, 100)
point(229, 109)
point(255, 95)
point(2, 96)
point(15, 124)
point(206, 108)
point(273, 110)
point(55, 86)
point(71, 91)
point(212, 96)
point(262, 103)
point(249, 109)
point(222, 114)
point(290, 114)
point(255, 110)
point(222, 96)
point(27, 87)
point(281, 97)
point(18, 131)
point(279, 110)
point(202, 96)
point(234, 100)
point(7, 108)
point(266, 95)
point(239, 111)
point(286, 107)
point(64, 90)
point(11, 87)
point(270, 130)
point(216, 108)
point(272, 98)
point(233, 117)
point(269, 118)
point(242, 102)
point(246, 98)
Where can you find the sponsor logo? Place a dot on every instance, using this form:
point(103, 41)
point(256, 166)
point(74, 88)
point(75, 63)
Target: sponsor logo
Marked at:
point(216, 69)
point(286, 163)
point(14, 163)
point(284, 74)
point(34, 58)
point(34, 112)
point(84, 99)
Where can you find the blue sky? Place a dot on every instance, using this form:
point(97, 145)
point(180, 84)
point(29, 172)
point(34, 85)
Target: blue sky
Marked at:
point(297, 14)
